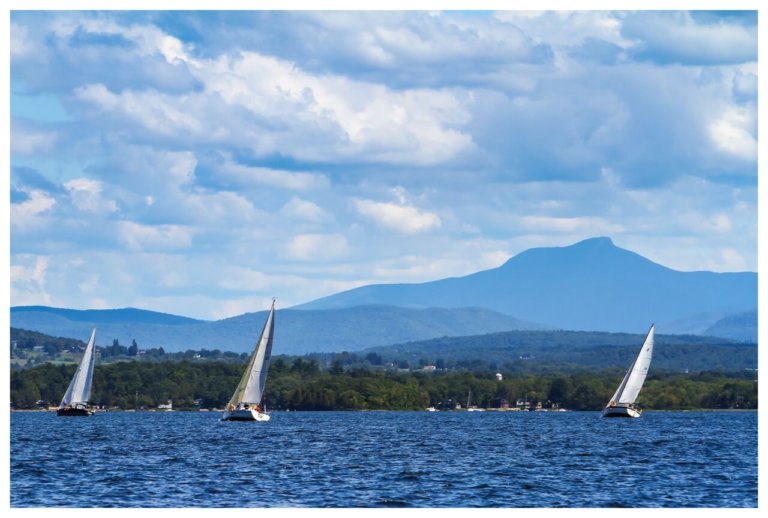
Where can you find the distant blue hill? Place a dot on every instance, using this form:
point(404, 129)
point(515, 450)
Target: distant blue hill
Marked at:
point(592, 285)
point(740, 326)
point(108, 316)
point(296, 332)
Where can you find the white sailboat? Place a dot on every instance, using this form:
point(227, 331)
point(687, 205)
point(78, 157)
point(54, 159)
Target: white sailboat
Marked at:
point(75, 400)
point(622, 404)
point(245, 404)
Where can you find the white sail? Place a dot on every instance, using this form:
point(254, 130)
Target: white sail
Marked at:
point(635, 377)
point(79, 390)
point(251, 386)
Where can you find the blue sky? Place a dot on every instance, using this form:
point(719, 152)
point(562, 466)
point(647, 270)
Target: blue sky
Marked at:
point(200, 163)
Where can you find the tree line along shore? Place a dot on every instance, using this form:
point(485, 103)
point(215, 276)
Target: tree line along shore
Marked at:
point(297, 383)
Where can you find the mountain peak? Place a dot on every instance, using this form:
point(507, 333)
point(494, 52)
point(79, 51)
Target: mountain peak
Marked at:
point(594, 242)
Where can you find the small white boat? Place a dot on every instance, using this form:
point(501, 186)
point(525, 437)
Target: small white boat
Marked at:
point(75, 400)
point(622, 404)
point(245, 404)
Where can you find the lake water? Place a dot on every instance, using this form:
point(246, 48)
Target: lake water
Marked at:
point(385, 459)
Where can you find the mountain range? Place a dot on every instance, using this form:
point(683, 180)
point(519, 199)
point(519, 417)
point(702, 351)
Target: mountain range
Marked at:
point(592, 285)
point(297, 332)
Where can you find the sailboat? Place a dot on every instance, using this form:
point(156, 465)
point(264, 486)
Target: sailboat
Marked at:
point(75, 400)
point(622, 404)
point(245, 404)
point(472, 408)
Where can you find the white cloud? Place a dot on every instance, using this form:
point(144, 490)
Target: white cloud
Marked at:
point(402, 218)
point(678, 37)
point(160, 113)
point(148, 40)
point(305, 210)
point(730, 261)
point(86, 195)
point(26, 213)
point(90, 284)
point(137, 237)
point(28, 281)
point(316, 117)
point(22, 44)
point(732, 133)
point(567, 28)
point(317, 247)
point(24, 142)
point(246, 176)
point(586, 226)
point(34, 274)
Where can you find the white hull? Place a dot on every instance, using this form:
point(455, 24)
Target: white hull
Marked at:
point(244, 415)
point(621, 411)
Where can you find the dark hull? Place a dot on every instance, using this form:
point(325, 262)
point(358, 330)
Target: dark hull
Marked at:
point(74, 412)
point(622, 411)
point(235, 418)
point(244, 414)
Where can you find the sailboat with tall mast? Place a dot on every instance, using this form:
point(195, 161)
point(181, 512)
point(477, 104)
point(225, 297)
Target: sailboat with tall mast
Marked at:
point(75, 400)
point(622, 404)
point(245, 404)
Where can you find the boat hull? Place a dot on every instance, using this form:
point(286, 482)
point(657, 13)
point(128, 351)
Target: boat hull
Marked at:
point(621, 411)
point(244, 415)
point(74, 411)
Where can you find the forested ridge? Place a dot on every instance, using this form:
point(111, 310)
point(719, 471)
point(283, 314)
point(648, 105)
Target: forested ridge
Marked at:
point(300, 384)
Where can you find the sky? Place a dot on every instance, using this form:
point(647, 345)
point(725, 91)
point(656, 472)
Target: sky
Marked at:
point(201, 163)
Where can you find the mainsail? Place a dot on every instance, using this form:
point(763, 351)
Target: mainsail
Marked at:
point(251, 386)
point(633, 380)
point(79, 390)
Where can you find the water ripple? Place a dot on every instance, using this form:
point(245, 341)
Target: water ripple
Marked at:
point(385, 459)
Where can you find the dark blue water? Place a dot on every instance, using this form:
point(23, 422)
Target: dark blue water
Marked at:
point(385, 459)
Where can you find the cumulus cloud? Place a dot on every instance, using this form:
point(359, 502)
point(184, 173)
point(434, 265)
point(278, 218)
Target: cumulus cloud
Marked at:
point(86, 195)
point(320, 117)
point(305, 210)
point(25, 142)
point(316, 247)
point(367, 121)
point(732, 133)
point(156, 112)
point(21, 43)
point(246, 176)
point(28, 280)
point(137, 237)
point(676, 37)
point(570, 225)
point(27, 213)
point(401, 218)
